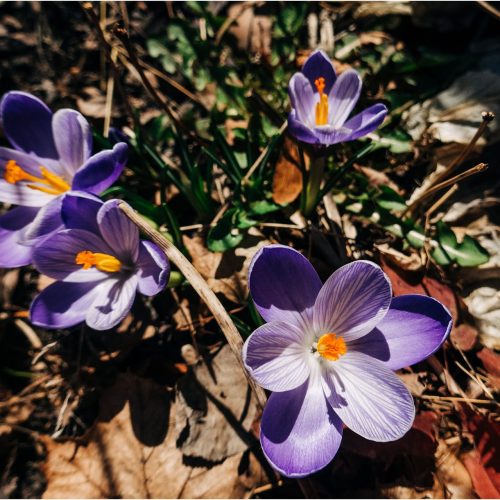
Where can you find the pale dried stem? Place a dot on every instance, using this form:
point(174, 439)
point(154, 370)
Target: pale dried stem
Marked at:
point(225, 322)
point(487, 117)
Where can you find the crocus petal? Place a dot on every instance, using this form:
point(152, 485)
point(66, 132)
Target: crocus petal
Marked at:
point(47, 220)
point(343, 97)
point(303, 99)
point(114, 299)
point(366, 121)
point(277, 357)
point(73, 139)
point(353, 300)
point(101, 170)
point(284, 285)
point(12, 224)
point(153, 269)
point(119, 232)
point(414, 327)
point(62, 304)
point(27, 124)
point(300, 434)
point(300, 131)
point(318, 65)
point(368, 397)
point(55, 256)
point(79, 211)
point(328, 134)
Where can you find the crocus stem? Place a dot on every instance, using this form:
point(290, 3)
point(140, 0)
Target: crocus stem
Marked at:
point(226, 324)
point(313, 184)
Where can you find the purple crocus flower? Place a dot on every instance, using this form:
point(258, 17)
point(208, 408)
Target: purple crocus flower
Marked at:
point(328, 353)
point(51, 155)
point(321, 104)
point(99, 262)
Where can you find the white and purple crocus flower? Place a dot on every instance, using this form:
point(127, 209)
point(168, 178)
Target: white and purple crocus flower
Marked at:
point(327, 353)
point(51, 155)
point(99, 263)
point(322, 103)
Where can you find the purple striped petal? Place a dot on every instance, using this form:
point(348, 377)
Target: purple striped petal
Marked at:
point(343, 97)
point(368, 397)
point(73, 139)
point(62, 304)
point(366, 121)
point(412, 320)
point(27, 124)
point(119, 232)
point(300, 131)
point(283, 285)
point(300, 434)
point(153, 269)
point(353, 300)
point(55, 256)
point(79, 211)
point(328, 135)
point(101, 170)
point(277, 357)
point(114, 299)
point(318, 65)
point(302, 98)
point(12, 225)
point(47, 220)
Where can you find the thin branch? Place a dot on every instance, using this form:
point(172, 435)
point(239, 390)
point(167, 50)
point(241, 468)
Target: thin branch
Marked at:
point(226, 324)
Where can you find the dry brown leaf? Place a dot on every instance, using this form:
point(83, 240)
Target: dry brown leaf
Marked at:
point(287, 180)
point(376, 177)
point(226, 272)
point(491, 363)
point(464, 336)
point(130, 452)
point(452, 473)
point(215, 409)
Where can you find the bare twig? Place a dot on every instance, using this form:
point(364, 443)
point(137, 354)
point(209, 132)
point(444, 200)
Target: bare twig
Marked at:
point(199, 284)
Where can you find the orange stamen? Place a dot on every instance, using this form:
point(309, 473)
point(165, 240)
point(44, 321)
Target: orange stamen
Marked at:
point(51, 183)
point(331, 346)
point(102, 261)
point(322, 105)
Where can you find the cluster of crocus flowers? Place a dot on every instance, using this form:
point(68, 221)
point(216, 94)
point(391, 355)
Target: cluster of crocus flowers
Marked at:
point(322, 103)
point(99, 263)
point(51, 155)
point(327, 353)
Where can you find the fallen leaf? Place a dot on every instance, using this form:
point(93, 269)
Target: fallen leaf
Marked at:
point(483, 462)
point(452, 473)
point(464, 336)
point(491, 363)
point(454, 115)
point(404, 282)
point(287, 179)
point(215, 409)
point(130, 452)
point(226, 273)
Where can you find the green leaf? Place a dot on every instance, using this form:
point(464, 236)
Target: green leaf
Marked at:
point(468, 253)
point(225, 235)
point(390, 199)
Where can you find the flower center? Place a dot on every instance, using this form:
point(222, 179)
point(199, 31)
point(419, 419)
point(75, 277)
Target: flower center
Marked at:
point(322, 105)
point(51, 183)
point(101, 261)
point(331, 346)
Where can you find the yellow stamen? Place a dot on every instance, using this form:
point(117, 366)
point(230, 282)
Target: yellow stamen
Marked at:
point(101, 261)
point(51, 183)
point(331, 346)
point(322, 105)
